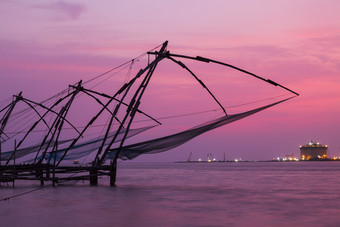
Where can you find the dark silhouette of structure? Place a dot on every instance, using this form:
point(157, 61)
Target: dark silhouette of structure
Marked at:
point(45, 159)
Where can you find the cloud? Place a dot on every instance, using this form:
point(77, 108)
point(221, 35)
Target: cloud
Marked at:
point(71, 10)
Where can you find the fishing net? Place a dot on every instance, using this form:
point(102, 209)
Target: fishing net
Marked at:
point(75, 152)
point(169, 142)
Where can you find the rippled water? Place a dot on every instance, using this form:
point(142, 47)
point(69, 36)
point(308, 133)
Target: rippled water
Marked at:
point(187, 194)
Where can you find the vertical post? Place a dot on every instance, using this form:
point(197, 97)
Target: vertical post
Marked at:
point(113, 172)
point(54, 162)
point(0, 149)
point(93, 176)
point(53, 175)
point(41, 174)
point(14, 169)
point(0, 156)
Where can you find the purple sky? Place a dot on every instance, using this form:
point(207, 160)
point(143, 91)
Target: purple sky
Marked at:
point(46, 45)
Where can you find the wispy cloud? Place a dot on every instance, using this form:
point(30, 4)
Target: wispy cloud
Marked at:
point(71, 10)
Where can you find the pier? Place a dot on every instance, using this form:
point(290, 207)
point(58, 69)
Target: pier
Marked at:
point(48, 173)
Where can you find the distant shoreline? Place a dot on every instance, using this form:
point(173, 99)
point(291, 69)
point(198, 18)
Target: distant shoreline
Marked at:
point(312, 160)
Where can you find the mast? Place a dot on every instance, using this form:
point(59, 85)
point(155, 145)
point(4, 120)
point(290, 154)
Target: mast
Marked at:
point(57, 125)
point(6, 116)
point(189, 156)
point(131, 111)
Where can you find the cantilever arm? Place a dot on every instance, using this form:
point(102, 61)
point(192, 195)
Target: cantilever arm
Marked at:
point(42, 118)
point(207, 60)
point(6, 107)
point(4, 119)
point(30, 105)
point(200, 81)
point(83, 90)
point(107, 96)
point(41, 105)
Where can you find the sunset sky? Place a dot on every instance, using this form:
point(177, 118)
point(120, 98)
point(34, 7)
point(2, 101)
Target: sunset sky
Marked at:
point(47, 45)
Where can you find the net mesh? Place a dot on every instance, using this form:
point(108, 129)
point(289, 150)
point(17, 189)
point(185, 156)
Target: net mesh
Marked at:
point(76, 152)
point(169, 142)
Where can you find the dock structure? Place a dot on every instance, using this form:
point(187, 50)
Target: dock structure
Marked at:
point(43, 173)
point(46, 140)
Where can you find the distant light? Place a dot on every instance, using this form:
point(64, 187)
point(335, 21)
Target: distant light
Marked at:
point(236, 160)
point(199, 159)
point(214, 159)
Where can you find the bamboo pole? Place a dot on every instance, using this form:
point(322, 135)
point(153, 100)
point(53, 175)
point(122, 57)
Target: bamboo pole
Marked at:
point(14, 169)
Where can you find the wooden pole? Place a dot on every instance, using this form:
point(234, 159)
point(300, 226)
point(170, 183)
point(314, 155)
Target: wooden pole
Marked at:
point(14, 169)
point(113, 172)
point(0, 157)
point(41, 175)
point(0, 149)
point(131, 111)
point(93, 177)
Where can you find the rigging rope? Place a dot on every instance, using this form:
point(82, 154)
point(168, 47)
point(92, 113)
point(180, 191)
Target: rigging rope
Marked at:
point(121, 65)
point(61, 93)
point(163, 118)
point(110, 73)
point(24, 193)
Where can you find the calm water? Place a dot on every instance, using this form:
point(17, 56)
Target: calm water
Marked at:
point(187, 194)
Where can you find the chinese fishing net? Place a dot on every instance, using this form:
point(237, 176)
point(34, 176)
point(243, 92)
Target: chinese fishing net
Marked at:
point(169, 142)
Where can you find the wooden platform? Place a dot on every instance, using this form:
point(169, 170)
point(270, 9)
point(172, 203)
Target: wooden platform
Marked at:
point(49, 173)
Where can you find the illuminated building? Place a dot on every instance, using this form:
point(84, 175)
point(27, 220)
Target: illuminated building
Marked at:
point(313, 150)
point(289, 157)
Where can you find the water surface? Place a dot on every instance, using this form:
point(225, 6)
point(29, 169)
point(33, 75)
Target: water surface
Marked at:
point(186, 194)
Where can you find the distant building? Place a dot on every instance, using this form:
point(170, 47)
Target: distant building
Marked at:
point(289, 157)
point(313, 150)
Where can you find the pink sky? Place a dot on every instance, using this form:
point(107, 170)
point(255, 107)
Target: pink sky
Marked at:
point(46, 45)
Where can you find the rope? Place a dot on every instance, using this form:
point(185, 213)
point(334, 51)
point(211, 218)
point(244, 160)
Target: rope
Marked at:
point(21, 194)
point(121, 65)
point(247, 103)
point(61, 93)
point(213, 110)
point(33, 190)
point(166, 117)
point(115, 73)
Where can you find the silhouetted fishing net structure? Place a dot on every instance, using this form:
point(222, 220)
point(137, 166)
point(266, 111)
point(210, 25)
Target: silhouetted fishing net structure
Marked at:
point(75, 152)
point(39, 140)
point(169, 142)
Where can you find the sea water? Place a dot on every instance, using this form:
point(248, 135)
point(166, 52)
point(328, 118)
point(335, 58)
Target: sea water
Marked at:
point(186, 194)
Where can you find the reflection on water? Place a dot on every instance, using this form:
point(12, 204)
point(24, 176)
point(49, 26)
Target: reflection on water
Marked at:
point(187, 194)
